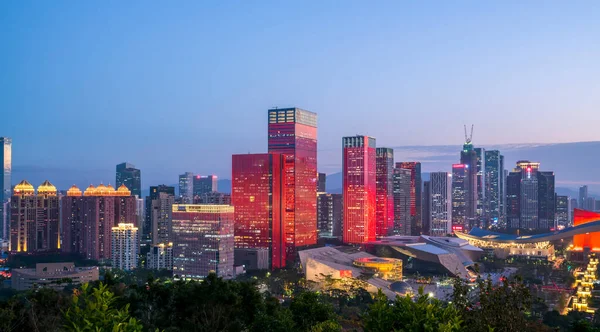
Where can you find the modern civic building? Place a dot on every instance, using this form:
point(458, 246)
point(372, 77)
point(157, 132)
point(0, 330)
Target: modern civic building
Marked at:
point(203, 241)
point(125, 246)
point(53, 275)
point(186, 188)
point(257, 193)
point(5, 185)
point(416, 224)
point(359, 189)
point(530, 197)
point(34, 219)
point(402, 201)
point(384, 214)
point(131, 177)
point(441, 203)
point(292, 132)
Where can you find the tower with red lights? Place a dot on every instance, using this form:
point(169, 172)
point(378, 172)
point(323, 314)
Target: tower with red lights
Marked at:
point(359, 189)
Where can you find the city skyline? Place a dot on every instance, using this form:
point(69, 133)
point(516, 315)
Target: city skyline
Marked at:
point(389, 63)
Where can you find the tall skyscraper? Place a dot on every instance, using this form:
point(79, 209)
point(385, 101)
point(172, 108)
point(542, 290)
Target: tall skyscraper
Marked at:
point(441, 203)
point(322, 186)
point(531, 201)
point(468, 157)
point(384, 214)
point(292, 132)
point(153, 202)
point(494, 187)
point(480, 209)
point(402, 201)
point(5, 185)
point(204, 184)
point(125, 246)
point(203, 240)
point(562, 211)
point(583, 195)
point(330, 215)
point(34, 218)
point(426, 208)
point(359, 189)
point(460, 176)
point(87, 220)
point(131, 177)
point(161, 206)
point(415, 195)
point(186, 188)
point(257, 196)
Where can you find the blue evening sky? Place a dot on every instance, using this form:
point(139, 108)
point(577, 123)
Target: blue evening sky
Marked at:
point(180, 86)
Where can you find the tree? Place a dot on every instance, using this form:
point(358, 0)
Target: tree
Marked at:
point(308, 309)
point(425, 314)
point(93, 309)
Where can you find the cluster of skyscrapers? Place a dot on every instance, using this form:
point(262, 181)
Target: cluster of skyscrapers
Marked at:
point(278, 204)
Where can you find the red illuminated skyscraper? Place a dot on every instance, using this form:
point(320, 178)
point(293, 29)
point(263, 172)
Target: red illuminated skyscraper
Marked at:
point(256, 194)
point(293, 133)
point(385, 194)
point(359, 185)
point(416, 199)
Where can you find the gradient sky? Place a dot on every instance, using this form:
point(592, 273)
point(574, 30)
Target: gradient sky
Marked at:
point(85, 85)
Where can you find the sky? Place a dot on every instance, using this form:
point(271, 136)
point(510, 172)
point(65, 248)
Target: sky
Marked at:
point(181, 86)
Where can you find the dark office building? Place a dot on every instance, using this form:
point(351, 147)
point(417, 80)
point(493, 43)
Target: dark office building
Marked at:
point(460, 176)
point(330, 215)
point(480, 210)
point(155, 203)
point(530, 197)
point(494, 187)
point(468, 157)
point(204, 184)
point(426, 207)
point(402, 201)
point(416, 199)
point(131, 177)
point(321, 187)
point(384, 191)
point(562, 211)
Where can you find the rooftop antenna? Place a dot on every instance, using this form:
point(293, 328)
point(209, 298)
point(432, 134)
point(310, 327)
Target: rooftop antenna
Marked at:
point(468, 139)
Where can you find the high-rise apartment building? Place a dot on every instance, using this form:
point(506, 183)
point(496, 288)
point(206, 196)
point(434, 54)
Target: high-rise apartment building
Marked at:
point(359, 189)
point(87, 220)
point(125, 246)
point(292, 132)
point(322, 184)
point(5, 185)
point(402, 201)
point(186, 188)
point(583, 195)
point(530, 197)
point(330, 215)
point(460, 177)
point(416, 224)
point(468, 157)
point(441, 203)
point(494, 187)
point(204, 184)
point(131, 177)
point(34, 225)
point(562, 211)
point(384, 188)
point(257, 195)
point(160, 257)
point(426, 208)
point(203, 241)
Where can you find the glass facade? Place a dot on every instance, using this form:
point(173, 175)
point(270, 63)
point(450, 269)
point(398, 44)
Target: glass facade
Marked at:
point(204, 184)
point(441, 203)
point(384, 213)
point(5, 184)
point(415, 195)
point(460, 175)
point(257, 195)
point(186, 188)
point(131, 177)
point(494, 187)
point(402, 201)
point(292, 132)
point(203, 240)
point(359, 189)
point(468, 157)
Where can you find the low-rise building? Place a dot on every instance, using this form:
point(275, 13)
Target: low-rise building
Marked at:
point(160, 257)
point(53, 275)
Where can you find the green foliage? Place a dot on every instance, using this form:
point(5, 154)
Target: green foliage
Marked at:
point(93, 309)
point(308, 309)
point(422, 314)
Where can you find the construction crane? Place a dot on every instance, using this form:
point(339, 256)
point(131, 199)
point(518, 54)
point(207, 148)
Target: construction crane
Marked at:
point(468, 139)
